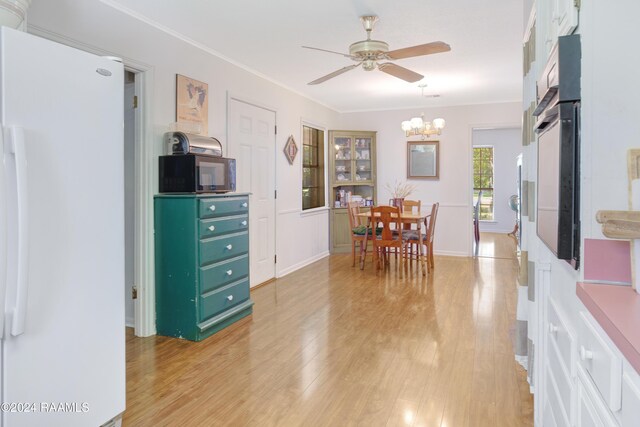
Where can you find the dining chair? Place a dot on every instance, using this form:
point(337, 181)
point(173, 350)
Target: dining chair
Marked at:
point(411, 206)
point(386, 239)
point(476, 218)
point(359, 231)
point(412, 237)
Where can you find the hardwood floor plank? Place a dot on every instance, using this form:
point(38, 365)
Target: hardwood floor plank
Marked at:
point(333, 345)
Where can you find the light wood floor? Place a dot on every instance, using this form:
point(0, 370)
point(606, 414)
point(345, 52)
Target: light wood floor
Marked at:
point(496, 245)
point(332, 345)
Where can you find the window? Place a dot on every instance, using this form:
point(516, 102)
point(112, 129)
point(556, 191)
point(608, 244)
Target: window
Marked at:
point(483, 180)
point(312, 168)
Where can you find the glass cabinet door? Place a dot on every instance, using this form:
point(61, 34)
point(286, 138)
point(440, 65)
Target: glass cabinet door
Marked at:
point(342, 161)
point(362, 170)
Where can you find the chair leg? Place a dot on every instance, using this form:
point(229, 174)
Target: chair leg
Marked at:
point(353, 253)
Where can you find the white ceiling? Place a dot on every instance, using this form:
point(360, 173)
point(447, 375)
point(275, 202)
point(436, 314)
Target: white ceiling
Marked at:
point(484, 65)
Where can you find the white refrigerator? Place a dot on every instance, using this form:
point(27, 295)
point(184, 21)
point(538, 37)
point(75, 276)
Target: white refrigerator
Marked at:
point(61, 235)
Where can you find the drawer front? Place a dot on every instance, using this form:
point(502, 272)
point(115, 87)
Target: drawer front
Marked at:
point(562, 381)
point(209, 208)
point(222, 299)
point(630, 413)
point(216, 227)
point(224, 247)
point(553, 394)
point(586, 412)
point(547, 415)
point(563, 338)
point(602, 364)
point(216, 275)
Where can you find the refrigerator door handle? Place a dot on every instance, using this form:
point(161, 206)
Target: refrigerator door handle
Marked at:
point(17, 154)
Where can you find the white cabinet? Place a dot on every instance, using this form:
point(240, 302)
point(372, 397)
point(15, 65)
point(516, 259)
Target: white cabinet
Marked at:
point(565, 16)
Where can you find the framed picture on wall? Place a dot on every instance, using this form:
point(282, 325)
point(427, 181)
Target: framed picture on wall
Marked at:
point(423, 159)
point(192, 104)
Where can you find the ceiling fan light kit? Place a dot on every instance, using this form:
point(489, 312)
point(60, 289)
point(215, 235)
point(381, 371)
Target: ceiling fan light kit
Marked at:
point(369, 52)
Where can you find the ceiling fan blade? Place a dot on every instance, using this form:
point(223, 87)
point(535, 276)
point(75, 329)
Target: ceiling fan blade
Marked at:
point(400, 72)
point(419, 50)
point(332, 75)
point(325, 50)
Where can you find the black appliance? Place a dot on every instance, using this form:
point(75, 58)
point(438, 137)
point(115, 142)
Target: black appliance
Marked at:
point(196, 173)
point(558, 129)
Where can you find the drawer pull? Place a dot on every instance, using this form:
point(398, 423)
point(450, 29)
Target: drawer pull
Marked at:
point(230, 297)
point(212, 208)
point(244, 223)
point(229, 272)
point(552, 328)
point(229, 247)
point(244, 205)
point(212, 228)
point(585, 354)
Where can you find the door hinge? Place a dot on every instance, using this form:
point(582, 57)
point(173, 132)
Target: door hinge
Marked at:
point(134, 292)
point(576, 4)
point(135, 101)
point(275, 259)
point(275, 129)
point(275, 194)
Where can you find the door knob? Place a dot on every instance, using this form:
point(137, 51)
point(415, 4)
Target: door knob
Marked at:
point(229, 247)
point(244, 205)
point(212, 208)
point(212, 228)
point(244, 222)
point(230, 297)
point(229, 272)
point(552, 328)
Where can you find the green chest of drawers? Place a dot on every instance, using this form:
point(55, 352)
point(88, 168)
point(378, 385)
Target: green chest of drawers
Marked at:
point(202, 263)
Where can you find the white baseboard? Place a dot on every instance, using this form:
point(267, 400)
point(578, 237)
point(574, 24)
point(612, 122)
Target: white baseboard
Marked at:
point(499, 231)
point(129, 322)
point(301, 264)
point(451, 253)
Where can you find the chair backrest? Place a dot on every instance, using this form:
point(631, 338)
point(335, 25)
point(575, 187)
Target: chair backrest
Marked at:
point(431, 228)
point(386, 219)
point(411, 206)
point(353, 208)
point(476, 208)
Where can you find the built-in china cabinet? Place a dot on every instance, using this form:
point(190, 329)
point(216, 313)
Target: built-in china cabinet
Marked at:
point(352, 177)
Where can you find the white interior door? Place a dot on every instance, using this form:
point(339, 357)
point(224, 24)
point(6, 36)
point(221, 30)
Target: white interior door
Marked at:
point(251, 142)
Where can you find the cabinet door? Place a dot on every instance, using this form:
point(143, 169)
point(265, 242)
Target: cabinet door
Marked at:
point(363, 159)
point(341, 238)
point(565, 16)
point(342, 148)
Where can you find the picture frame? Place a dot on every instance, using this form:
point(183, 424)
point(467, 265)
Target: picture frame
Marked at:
point(290, 149)
point(192, 104)
point(423, 159)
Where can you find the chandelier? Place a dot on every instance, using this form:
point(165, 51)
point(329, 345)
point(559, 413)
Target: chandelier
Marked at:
point(418, 126)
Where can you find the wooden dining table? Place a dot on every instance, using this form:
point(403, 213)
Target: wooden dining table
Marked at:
point(405, 218)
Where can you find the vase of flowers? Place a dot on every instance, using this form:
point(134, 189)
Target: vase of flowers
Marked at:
point(399, 191)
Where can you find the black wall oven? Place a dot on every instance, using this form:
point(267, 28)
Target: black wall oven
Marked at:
point(558, 129)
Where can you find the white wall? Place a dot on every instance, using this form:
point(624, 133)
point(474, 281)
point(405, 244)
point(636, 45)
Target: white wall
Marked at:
point(453, 189)
point(507, 145)
point(97, 26)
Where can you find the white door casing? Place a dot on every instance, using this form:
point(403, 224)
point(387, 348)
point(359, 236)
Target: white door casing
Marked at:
point(251, 141)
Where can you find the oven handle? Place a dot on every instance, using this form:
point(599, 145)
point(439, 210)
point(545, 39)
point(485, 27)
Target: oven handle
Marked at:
point(547, 118)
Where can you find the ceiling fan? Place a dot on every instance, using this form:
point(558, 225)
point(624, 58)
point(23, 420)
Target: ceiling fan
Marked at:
point(369, 52)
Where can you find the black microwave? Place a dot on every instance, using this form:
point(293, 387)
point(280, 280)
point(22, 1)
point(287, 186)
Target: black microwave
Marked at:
point(196, 173)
